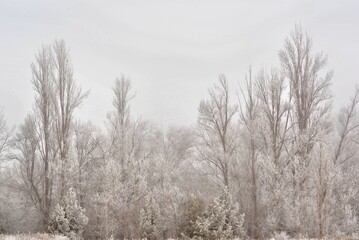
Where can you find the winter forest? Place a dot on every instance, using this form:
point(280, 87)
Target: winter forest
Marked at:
point(275, 160)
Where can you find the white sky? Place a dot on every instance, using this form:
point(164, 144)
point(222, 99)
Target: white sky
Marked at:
point(172, 50)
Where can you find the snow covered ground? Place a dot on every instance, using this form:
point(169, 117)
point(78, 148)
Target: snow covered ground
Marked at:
point(32, 237)
point(51, 237)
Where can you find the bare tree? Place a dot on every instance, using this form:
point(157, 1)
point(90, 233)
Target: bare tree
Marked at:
point(348, 123)
point(124, 170)
point(274, 109)
point(29, 167)
point(42, 80)
point(215, 127)
point(87, 148)
point(120, 120)
point(56, 98)
point(249, 119)
point(67, 97)
point(329, 167)
point(166, 180)
point(295, 165)
point(309, 89)
point(5, 135)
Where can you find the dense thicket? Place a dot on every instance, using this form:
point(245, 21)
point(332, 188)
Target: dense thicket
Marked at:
point(279, 159)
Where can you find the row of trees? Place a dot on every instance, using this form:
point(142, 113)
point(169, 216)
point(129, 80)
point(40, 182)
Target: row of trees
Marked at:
point(277, 160)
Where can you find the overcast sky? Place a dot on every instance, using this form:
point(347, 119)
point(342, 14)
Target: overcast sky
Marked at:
point(173, 51)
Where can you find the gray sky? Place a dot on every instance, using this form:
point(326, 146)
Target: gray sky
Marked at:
point(172, 50)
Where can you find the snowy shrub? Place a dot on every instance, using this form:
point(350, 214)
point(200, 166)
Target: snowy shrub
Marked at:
point(150, 220)
point(193, 209)
point(354, 235)
point(351, 221)
point(222, 220)
point(68, 218)
point(280, 236)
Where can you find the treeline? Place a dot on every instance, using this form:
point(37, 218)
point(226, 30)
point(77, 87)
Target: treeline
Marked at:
point(279, 161)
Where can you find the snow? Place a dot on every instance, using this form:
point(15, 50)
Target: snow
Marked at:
point(38, 236)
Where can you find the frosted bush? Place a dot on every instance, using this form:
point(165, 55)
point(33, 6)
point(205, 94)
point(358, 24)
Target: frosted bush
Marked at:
point(68, 218)
point(222, 220)
point(150, 219)
point(281, 236)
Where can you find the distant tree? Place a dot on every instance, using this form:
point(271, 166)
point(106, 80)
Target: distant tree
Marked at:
point(5, 135)
point(87, 151)
point(172, 152)
point(29, 166)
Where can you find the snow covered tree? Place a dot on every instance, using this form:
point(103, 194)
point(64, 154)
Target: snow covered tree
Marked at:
point(166, 174)
point(28, 165)
point(222, 220)
point(249, 116)
point(215, 128)
point(5, 135)
point(150, 220)
point(87, 144)
point(43, 142)
point(290, 165)
point(68, 218)
point(339, 198)
point(274, 113)
point(126, 151)
point(192, 210)
point(309, 87)
point(43, 84)
point(66, 98)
